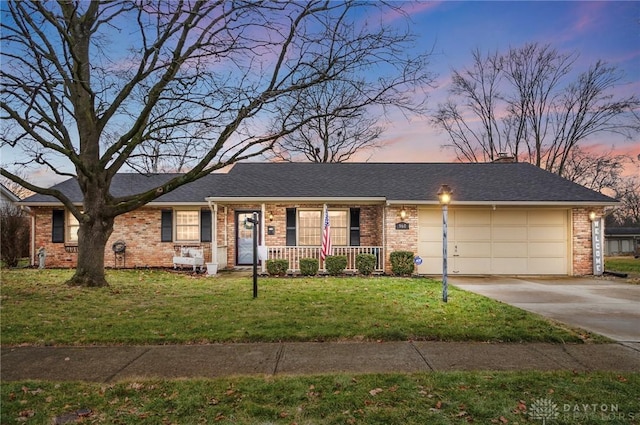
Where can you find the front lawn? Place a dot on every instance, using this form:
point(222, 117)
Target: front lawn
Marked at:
point(157, 307)
point(622, 264)
point(424, 398)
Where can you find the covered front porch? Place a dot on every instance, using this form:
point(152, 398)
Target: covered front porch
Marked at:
point(292, 231)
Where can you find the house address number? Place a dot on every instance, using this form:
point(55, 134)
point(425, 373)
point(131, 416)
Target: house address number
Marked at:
point(402, 226)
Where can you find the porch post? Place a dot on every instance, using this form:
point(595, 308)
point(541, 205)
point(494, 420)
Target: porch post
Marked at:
point(263, 234)
point(214, 232)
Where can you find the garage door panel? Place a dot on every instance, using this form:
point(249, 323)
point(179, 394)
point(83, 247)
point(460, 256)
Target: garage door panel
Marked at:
point(547, 266)
point(472, 217)
point(508, 265)
point(547, 250)
point(430, 265)
point(429, 234)
point(510, 218)
point(430, 217)
point(509, 249)
point(472, 249)
point(509, 233)
point(551, 233)
point(472, 265)
point(547, 218)
point(472, 233)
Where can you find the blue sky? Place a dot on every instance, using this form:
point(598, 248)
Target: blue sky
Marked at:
point(596, 30)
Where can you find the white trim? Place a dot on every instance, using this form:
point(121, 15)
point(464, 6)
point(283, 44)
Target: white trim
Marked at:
point(256, 199)
point(577, 204)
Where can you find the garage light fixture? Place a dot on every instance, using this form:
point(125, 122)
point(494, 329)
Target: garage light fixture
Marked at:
point(444, 196)
point(592, 215)
point(403, 213)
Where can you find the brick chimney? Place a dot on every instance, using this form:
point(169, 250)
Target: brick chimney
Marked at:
point(504, 157)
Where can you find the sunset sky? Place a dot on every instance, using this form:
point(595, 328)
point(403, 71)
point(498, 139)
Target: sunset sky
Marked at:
point(596, 30)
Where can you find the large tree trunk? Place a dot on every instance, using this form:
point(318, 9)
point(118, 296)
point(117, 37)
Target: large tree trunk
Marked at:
point(92, 240)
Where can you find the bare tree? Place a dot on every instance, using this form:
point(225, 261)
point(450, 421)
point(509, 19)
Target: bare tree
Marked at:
point(602, 171)
point(525, 103)
point(334, 136)
point(88, 86)
point(349, 110)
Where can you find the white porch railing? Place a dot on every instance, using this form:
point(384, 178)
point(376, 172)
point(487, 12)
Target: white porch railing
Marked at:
point(293, 254)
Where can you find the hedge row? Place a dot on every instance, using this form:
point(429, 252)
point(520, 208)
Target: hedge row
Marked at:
point(401, 264)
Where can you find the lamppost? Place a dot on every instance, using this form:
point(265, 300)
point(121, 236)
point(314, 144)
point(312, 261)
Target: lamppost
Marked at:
point(444, 196)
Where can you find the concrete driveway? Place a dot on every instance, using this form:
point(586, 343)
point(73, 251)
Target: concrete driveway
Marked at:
point(601, 305)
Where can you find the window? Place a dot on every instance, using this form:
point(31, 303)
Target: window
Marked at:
point(309, 227)
point(339, 227)
point(188, 225)
point(310, 224)
point(72, 228)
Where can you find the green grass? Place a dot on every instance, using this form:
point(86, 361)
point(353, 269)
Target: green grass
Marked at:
point(433, 398)
point(156, 307)
point(622, 264)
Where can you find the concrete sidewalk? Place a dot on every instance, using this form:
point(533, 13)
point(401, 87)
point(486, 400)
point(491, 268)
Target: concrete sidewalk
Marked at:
point(108, 364)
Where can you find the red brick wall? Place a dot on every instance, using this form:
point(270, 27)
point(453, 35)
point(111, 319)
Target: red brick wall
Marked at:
point(400, 240)
point(139, 229)
point(581, 240)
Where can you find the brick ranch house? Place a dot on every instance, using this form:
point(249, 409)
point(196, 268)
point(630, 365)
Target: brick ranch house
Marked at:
point(504, 218)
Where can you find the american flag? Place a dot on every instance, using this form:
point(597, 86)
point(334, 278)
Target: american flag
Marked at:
point(326, 236)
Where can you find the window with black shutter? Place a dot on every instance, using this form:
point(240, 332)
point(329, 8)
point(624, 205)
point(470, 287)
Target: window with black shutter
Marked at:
point(166, 233)
point(291, 227)
point(354, 227)
point(57, 228)
point(205, 226)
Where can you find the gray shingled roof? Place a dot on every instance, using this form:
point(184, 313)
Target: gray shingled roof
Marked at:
point(419, 182)
point(478, 182)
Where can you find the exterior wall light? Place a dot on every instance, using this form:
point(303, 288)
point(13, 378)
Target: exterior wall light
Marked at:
point(592, 215)
point(270, 216)
point(444, 197)
point(403, 213)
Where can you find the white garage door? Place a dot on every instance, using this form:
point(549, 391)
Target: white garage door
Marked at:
point(502, 241)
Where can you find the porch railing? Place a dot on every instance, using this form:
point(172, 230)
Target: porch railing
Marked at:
point(293, 254)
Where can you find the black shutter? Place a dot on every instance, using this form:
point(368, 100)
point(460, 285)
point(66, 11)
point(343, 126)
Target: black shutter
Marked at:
point(354, 230)
point(57, 226)
point(291, 227)
point(205, 226)
point(166, 234)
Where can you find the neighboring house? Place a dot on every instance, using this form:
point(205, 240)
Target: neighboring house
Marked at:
point(504, 218)
point(7, 196)
point(622, 240)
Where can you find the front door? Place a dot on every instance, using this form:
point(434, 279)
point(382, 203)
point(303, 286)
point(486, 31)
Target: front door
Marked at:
point(244, 237)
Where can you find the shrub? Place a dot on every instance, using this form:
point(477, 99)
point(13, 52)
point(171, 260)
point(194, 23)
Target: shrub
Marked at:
point(309, 266)
point(335, 264)
point(401, 263)
point(14, 234)
point(365, 263)
point(277, 267)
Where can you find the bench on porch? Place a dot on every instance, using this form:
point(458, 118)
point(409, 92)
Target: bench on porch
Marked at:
point(189, 256)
